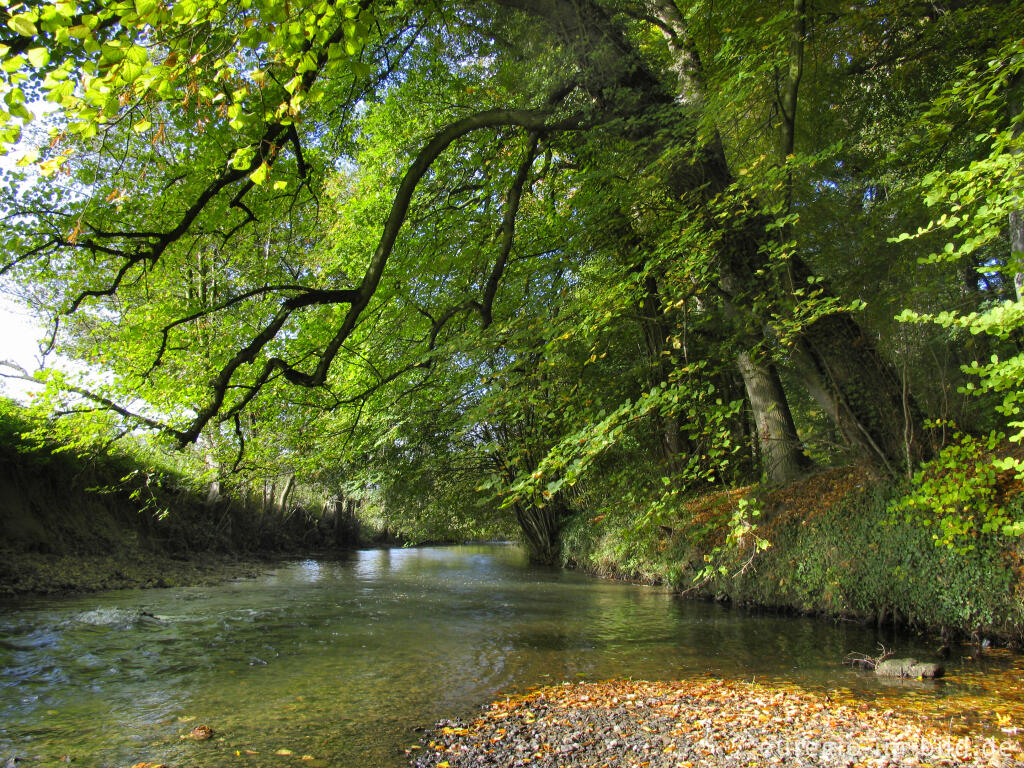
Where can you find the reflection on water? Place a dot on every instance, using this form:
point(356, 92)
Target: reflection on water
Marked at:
point(341, 659)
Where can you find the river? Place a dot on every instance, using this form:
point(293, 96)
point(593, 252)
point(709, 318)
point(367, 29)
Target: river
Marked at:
point(337, 663)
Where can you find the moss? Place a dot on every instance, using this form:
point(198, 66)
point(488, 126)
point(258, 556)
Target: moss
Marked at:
point(835, 549)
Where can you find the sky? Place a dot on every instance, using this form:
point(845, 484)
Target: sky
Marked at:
point(19, 343)
point(19, 330)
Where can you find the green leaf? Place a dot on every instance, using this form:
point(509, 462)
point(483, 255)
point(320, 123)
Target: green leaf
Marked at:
point(259, 176)
point(29, 158)
point(243, 157)
point(145, 7)
point(38, 57)
point(23, 24)
point(13, 63)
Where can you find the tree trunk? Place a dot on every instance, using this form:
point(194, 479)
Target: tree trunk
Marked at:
point(289, 486)
point(208, 445)
point(778, 444)
point(672, 441)
point(862, 394)
point(541, 528)
point(837, 360)
point(836, 357)
point(344, 523)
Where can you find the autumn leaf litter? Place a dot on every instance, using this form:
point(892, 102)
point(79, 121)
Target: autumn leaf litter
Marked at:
point(685, 724)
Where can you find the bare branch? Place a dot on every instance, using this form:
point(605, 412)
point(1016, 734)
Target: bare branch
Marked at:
point(226, 304)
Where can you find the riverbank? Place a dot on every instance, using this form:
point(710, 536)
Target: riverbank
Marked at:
point(76, 520)
point(828, 545)
point(33, 573)
point(707, 723)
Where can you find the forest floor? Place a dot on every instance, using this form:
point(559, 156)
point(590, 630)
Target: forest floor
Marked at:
point(712, 723)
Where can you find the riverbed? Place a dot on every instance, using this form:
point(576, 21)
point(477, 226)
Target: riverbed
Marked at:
point(343, 662)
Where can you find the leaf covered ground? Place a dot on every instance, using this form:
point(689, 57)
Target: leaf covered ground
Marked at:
point(703, 722)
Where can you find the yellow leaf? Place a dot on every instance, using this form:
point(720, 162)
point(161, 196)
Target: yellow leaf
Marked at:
point(284, 752)
point(48, 167)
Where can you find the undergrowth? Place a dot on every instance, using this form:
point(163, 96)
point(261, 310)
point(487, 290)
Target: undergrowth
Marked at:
point(832, 545)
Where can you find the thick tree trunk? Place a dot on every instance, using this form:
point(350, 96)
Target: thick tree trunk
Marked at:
point(836, 357)
point(778, 444)
point(541, 528)
point(862, 394)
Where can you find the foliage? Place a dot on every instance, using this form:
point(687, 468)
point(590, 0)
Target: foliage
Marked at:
point(115, 500)
point(958, 491)
point(960, 494)
point(478, 268)
point(835, 548)
point(740, 534)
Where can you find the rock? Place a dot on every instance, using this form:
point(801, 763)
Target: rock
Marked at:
point(202, 733)
point(908, 668)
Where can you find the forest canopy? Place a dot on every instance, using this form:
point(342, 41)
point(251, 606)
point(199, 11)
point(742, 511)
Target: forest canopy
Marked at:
point(519, 260)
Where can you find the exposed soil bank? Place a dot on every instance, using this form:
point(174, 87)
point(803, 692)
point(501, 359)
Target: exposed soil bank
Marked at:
point(833, 548)
point(71, 523)
point(699, 723)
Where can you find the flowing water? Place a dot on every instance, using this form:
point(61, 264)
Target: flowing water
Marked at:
point(337, 663)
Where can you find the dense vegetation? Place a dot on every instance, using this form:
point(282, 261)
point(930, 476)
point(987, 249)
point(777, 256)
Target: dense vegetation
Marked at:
point(521, 265)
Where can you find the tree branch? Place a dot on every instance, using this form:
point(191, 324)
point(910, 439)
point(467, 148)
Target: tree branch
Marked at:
point(106, 402)
point(508, 225)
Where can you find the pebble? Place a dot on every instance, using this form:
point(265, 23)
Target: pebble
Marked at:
point(697, 724)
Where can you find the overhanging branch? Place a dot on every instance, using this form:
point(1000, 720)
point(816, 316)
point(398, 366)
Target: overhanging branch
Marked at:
point(535, 121)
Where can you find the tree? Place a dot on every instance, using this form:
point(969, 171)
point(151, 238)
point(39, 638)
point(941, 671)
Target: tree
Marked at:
point(337, 207)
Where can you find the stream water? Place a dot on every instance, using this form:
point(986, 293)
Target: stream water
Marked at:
point(337, 663)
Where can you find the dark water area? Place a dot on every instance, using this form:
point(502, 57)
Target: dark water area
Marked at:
point(337, 663)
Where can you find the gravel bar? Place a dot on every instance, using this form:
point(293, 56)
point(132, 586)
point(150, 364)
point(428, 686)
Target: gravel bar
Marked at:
point(706, 723)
